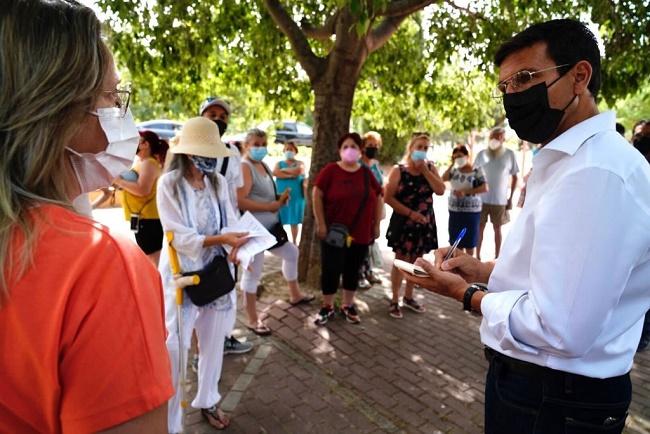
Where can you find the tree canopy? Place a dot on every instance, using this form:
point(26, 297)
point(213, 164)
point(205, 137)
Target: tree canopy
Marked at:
point(403, 64)
point(434, 73)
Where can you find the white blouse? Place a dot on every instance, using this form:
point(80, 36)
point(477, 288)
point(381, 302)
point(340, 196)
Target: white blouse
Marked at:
point(192, 215)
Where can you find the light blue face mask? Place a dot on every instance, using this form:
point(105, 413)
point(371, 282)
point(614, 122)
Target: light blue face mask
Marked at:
point(258, 153)
point(289, 155)
point(419, 155)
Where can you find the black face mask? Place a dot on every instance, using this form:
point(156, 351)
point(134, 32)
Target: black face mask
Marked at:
point(221, 125)
point(530, 115)
point(370, 152)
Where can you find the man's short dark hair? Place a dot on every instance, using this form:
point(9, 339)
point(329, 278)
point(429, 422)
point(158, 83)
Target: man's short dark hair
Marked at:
point(620, 129)
point(567, 42)
point(642, 144)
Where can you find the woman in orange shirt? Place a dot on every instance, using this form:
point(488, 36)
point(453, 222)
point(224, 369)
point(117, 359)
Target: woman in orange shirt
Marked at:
point(82, 337)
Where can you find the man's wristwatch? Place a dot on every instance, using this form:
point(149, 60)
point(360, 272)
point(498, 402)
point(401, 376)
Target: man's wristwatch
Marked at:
point(469, 292)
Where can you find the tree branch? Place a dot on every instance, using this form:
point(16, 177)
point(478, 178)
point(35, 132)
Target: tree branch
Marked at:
point(308, 60)
point(321, 32)
point(473, 14)
point(382, 33)
point(405, 7)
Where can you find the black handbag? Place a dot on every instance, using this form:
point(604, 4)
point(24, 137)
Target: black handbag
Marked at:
point(338, 235)
point(215, 279)
point(281, 237)
point(277, 230)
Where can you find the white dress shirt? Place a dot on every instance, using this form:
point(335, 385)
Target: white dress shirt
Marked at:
point(572, 284)
point(234, 177)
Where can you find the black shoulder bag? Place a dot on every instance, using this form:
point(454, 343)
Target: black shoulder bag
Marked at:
point(215, 279)
point(277, 230)
point(338, 235)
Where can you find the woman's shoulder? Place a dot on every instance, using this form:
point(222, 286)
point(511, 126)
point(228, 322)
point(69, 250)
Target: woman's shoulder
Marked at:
point(153, 162)
point(330, 168)
point(59, 226)
point(168, 177)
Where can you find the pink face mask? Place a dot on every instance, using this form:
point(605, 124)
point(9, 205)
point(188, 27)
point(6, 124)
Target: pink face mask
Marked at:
point(350, 155)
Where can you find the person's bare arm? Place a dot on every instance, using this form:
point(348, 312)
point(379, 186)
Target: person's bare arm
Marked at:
point(149, 172)
point(447, 175)
point(282, 173)
point(154, 421)
point(433, 178)
point(513, 186)
point(399, 207)
point(319, 212)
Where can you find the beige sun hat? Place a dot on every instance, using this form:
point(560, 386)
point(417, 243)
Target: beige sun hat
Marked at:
point(199, 136)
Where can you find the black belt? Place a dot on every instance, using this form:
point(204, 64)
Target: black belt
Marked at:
point(520, 366)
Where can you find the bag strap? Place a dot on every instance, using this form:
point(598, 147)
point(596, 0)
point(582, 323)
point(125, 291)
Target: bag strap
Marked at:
point(366, 193)
point(266, 168)
point(224, 166)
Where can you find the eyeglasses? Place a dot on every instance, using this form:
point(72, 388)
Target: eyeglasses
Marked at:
point(420, 133)
point(519, 79)
point(121, 97)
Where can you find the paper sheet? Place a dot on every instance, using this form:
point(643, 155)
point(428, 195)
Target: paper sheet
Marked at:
point(260, 239)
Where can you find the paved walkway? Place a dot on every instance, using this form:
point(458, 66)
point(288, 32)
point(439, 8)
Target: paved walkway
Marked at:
point(421, 374)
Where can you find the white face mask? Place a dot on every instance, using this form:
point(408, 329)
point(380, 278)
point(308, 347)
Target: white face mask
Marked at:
point(95, 171)
point(494, 144)
point(460, 162)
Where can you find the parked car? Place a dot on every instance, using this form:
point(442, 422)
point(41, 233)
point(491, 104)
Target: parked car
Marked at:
point(165, 129)
point(299, 132)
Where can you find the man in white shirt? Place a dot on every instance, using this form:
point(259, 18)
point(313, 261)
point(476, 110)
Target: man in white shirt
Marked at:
point(218, 110)
point(500, 166)
point(565, 301)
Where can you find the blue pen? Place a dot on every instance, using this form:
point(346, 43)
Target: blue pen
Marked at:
point(458, 238)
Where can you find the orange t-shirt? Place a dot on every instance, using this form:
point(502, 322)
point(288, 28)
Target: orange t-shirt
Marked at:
point(82, 334)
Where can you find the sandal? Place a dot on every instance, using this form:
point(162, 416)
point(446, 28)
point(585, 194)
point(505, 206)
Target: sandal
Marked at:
point(215, 417)
point(305, 299)
point(260, 329)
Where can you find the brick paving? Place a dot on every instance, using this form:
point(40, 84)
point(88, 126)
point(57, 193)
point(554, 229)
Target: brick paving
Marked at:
point(421, 374)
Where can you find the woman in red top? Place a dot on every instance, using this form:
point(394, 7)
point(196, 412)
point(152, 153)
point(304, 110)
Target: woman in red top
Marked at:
point(345, 193)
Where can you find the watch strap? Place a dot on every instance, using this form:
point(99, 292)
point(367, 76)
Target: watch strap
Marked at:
point(469, 292)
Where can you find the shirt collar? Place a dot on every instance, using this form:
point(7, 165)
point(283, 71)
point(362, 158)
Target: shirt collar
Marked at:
point(570, 140)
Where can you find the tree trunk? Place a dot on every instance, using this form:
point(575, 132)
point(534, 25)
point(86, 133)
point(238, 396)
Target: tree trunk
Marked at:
point(334, 95)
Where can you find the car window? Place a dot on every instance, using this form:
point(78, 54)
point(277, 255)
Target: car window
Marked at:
point(304, 129)
point(289, 126)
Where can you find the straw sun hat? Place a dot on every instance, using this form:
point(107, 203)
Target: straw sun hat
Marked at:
point(199, 136)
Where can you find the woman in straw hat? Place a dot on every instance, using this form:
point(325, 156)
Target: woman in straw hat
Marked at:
point(194, 204)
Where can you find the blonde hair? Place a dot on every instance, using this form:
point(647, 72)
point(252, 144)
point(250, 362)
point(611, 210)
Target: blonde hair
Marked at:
point(252, 133)
point(411, 143)
point(52, 65)
point(373, 135)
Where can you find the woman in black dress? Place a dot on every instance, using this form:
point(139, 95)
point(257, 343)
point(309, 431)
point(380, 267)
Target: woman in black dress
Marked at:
point(412, 230)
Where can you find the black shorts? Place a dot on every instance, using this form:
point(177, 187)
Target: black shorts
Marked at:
point(149, 236)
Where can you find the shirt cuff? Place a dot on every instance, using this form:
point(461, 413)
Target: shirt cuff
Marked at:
point(495, 328)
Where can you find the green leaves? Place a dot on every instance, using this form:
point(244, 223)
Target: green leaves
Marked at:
point(435, 73)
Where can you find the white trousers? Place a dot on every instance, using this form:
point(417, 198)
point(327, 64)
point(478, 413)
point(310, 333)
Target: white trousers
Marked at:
point(212, 326)
point(289, 254)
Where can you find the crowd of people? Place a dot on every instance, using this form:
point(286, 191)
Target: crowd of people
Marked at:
point(106, 295)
